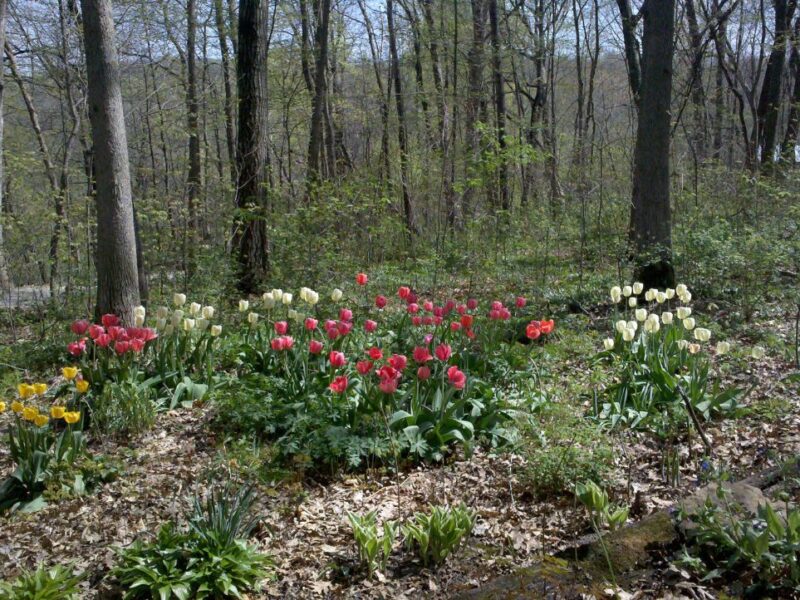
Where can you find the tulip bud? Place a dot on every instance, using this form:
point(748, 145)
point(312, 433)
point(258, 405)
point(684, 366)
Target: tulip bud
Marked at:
point(277, 294)
point(641, 314)
point(689, 323)
point(723, 348)
point(216, 330)
point(208, 312)
point(632, 301)
point(628, 335)
point(162, 312)
point(138, 320)
point(179, 299)
point(669, 293)
point(627, 291)
point(139, 311)
point(188, 324)
point(701, 334)
point(620, 325)
point(252, 318)
point(608, 343)
point(683, 312)
point(638, 287)
point(666, 318)
point(336, 294)
point(243, 305)
point(286, 299)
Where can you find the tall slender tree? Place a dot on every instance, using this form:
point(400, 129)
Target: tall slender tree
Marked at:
point(115, 260)
point(4, 281)
point(250, 243)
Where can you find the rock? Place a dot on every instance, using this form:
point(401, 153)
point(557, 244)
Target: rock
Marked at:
point(742, 497)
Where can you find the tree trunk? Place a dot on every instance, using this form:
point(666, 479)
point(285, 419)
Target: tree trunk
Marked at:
point(790, 140)
point(318, 110)
point(194, 181)
point(222, 34)
point(632, 58)
point(500, 108)
point(408, 211)
point(698, 137)
point(5, 283)
point(475, 98)
point(250, 242)
point(651, 224)
point(117, 275)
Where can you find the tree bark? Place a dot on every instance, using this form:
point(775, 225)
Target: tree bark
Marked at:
point(475, 99)
point(194, 181)
point(790, 140)
point(698, 136)
point(651, 229)
point(222, 35)
point(632, 58)
point(117, 274)
point(317, 132)
point(250, 242)
point(5, 283)
point(500, 108)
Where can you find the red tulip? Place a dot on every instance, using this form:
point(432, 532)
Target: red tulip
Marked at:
point(497, 305)
point(315, 346)
point(505, 314)
point(339, 385)
point(423, 373)
point(388, 372)
point(76, 348)
point(137, 344)
point(281, 327)
point(103, 340)
point(413, 308)
point(388, 386)
point(375, 353)
point(117, 333)
point(109, 320)
point(455, 326)
point(521, 302)
point(345, 314)
point(122, 346)
point(428, 305)
point(416, 320)
point(337, 359)
point(361, 279)
point(330, 324)
point(456, 377)
point(380, 301)
point(421, 355)
point(344, 327)
point(403, 292)
point(461, 309)
point(370, 325)
point(494, 315)
point(364, 366)
point(411, 298)
point(95, 331)
point(332, 333)
point(466, 321)
point(277, 344)
point(470, 334)
point(79, 327)
point(398, 361)
point(472, 304)
point(548, 326)
point(533, 330)
point(311, 324)
point(438, 311)
point(443, 352)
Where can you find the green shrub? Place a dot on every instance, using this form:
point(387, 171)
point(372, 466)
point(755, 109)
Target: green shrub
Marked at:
point(373, 550)
point(55, 583)
point(124, 409)
point(437, 534)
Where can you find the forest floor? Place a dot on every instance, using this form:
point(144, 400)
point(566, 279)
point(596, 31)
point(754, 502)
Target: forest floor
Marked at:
point(305, 529)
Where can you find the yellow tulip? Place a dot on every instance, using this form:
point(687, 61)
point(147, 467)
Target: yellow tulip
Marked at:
point(57, 412)
point(2, 407)
point(41, 420)
point(69, 373)
point(72, 417)
point(39, 388)
point(17, 406)
point(29, 413)
point(81, 385)
point(25, 390)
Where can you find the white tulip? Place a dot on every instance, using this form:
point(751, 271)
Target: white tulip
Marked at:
point(666, 318)
point(202, 323)
point(336, 294)
point(650, 294)
point(616, 294)
point(632, 325)
point(627, 291)
point(669, 293)
point(641, 314)
point(138, 321)
point(758, 352)
point(269, 301)
point(681, 289)
point(267, 296)
point(162, 312)
point(683, 312)
point(694, 348)
point(303, 293)
point(701, 334)
point(179, 299)
point(686, 298)
point(277, 294)
point(177, 317)
point(638, 287)
point(683, 344)
point(651, 325)
point(287, 299)
point(252, 318)
point(208, 312)
point(139, 311)
point(632, 301)
point(243, 305)
point(689, 323)
point(723, 348)
point(293, 314)
point(313, 298)
point(216, 330)
point(188, 324)
point(161, 323)
point(628, 335)
point(661, 297)
point(620, 325)
point(608, 343)
point(169, 329)
point(195, 308)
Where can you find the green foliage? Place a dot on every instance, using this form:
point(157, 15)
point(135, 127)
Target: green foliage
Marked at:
point(208, 561)
point(124, 408)
point(436, 534)
point(373, 549)
point(55, 583)
point(760, 551)
point(601, 512)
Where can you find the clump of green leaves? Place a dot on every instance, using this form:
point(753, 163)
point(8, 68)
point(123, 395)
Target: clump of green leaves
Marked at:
point(373, 549)
point(601, 511)
point(210, 560)
point(124, 408)
point(436, 534)
point(54, 583)
point(760, 551)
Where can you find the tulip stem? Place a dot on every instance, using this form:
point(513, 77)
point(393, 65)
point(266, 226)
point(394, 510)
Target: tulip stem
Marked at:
point(695, 420)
